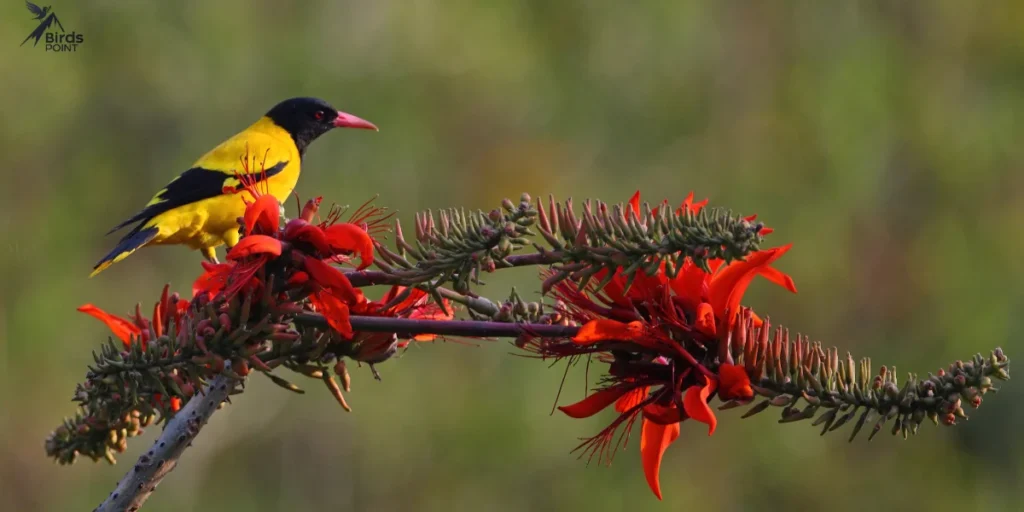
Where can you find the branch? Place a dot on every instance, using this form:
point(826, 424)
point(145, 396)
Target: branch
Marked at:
point(474, 328)
point(361, 278)
point(139, 483)
point(458, 246)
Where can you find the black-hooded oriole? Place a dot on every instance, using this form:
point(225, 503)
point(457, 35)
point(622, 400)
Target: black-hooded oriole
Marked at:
point(200, 207)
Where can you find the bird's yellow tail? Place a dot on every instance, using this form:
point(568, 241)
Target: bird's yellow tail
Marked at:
point(129, 244)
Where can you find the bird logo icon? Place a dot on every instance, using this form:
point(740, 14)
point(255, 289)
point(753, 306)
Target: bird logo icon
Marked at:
point(47, 18)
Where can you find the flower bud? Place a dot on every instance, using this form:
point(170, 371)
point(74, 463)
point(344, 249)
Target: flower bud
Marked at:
point(342, 371)
point(241, 367)
point(310, 209)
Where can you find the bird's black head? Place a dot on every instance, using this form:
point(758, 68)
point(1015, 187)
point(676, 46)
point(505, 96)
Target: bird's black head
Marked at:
point(308, 118)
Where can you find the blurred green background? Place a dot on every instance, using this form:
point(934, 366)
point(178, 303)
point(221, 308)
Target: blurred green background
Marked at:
point(881, 138)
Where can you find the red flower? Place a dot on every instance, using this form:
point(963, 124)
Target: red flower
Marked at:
point(333, 280)
point(262, 216)
point(596, 402)
point(695, 403)
point(603, 330)
point(734, 382)
point(333, 295)
point(374, 347)
point(417, 305)
point(245, 260)
point(654, 440)
point(661, 338)
point(168, 310)
point(350, 238)
point(122, 329)
point(213, 280)
point(301, 232)
point(727, 286)
point(334, 310)
point(255, 245)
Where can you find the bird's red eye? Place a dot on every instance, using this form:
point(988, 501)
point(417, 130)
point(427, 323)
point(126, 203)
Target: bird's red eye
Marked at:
point(319, 115)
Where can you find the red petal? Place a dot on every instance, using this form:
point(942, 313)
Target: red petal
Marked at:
point(757, 320)
point(690, 284)
point(603, 330)
point(122, 329)
point(687, 201)
point(692, 206)
point(695, 403)
point(705, 320)
point(158, 320)
point(594, 403)
point(297, 279)
point(664, 415)
point(310, 209)
point(631, 399)
point(733, 382)
point(264, 213)
point(728, 286)
point(213, 280)
point(298, 230)
point(415, 296)
point(634, 204)
point(654, 439)
point(333, 280)
point(255, 244)
point(778, 277)
point(334, 310)
point(351, 238)
point(647, 287)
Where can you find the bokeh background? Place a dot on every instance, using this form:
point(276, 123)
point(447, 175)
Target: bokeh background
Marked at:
point(881, 138)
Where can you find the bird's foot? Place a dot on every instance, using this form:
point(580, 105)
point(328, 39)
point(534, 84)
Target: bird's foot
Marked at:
point(211, 255)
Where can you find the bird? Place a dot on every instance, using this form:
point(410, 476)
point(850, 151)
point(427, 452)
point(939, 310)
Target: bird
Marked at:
point(200, 208)
point(38, 12)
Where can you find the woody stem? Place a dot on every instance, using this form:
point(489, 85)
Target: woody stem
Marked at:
point(141, 480)
point(474, 328)
point(361, 278)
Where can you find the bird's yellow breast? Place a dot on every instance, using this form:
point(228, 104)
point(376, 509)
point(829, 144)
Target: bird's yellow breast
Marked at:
point(213, 221)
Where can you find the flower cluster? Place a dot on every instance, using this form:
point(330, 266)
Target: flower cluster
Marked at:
point(674, 337)
point(659, 333)
point(242, 317)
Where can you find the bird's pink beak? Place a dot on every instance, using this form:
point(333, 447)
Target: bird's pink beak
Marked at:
point(350, 121)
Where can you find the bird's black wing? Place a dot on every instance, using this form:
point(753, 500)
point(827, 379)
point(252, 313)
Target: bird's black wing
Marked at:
point(34, 9)
point(193, 185)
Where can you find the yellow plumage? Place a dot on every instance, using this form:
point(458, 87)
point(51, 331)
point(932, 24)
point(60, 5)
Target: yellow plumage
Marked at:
point(200, 208)
point(208, 223)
